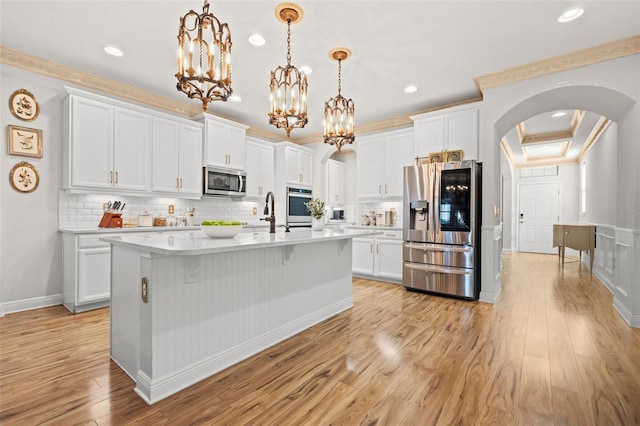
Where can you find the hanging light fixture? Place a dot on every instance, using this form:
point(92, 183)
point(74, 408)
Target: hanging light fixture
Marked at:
point(204, 57)
point(288, 99)
point(339, 112)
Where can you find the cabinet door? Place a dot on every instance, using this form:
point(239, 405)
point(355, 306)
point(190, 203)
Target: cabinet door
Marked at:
point(292, 165)
point(305, 162)
point(91, 144)
point(190, 160)
point(164, 157)
point(94, 274)
point(131, 150)
point(362, 250)
point(217, 136)
point(462, 132)
point(429, 136)
point(335, 182)
point(369, 173)
point(388, 259)
point(236, 148)
point(260, 169)
point(398, 153)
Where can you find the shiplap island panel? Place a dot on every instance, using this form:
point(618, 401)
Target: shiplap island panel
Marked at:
point(212, 303)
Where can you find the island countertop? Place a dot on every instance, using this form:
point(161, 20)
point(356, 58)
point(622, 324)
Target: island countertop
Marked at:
point(197, 243)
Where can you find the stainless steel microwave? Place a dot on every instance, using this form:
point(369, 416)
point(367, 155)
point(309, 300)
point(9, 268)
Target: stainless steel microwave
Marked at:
point(222, 182)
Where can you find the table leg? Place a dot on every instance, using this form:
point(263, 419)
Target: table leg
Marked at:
point(591, 261)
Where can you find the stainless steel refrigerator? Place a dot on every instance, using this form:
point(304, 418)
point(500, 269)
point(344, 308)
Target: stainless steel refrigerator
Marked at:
point(441, 228)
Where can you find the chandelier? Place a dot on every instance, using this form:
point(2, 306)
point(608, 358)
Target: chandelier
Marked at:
point(204, 57)
point(288, 99)
point(339, 112)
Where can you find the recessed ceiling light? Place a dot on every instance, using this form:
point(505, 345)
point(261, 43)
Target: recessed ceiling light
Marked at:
point(559, 114)
point(256, 40)
point(235, 98)
point(410, 89)
point(306, 69)
point(113, 51)
point(570, 15)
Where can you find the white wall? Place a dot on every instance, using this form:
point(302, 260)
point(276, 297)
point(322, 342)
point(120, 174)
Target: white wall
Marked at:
point(601, 165)
point(31, 247)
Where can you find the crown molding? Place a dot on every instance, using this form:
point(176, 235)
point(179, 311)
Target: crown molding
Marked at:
point(593, 137)
point(603, 52)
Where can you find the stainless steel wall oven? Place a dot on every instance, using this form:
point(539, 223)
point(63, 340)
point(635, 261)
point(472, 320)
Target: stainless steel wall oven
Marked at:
point(441, 228)
point(297, 212)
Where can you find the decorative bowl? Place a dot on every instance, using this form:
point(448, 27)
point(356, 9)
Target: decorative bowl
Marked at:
point(221, 231)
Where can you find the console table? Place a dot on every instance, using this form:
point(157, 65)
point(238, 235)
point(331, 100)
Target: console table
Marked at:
point(577, 237)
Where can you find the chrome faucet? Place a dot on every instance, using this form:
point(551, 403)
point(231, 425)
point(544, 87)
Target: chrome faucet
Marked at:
point(271, 219)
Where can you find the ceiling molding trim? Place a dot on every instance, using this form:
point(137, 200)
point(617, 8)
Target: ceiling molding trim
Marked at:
point(603, 52)
point(593, 137)
point(562, 155)
point(546, 137)
point(521, 131)
point(61, 72)
point(259, 133)
point(576, 121)
point(539, 163)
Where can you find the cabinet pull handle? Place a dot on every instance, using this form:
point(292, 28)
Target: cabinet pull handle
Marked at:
point(144, 290)
point(116, 177)
point(377, 248)
point(385, 188)
point(177, 183)
point(379, 189)
point(180, 183)
point(371, 248)
point(111, 176)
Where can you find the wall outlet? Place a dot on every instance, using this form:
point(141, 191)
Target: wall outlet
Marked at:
point(255, 210)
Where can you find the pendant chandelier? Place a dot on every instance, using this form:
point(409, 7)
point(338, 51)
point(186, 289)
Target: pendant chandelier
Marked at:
point(204, 57)
point(338, 121)
point(288, 99)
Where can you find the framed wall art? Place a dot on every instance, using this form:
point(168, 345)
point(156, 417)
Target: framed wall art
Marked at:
point(24, 177)
point(23, 105)
point(24, 141)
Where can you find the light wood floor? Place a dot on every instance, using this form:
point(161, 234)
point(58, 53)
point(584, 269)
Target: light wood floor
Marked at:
point(551, 351)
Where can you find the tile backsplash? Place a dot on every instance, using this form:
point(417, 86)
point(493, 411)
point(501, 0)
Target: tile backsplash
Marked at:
point(77, 211)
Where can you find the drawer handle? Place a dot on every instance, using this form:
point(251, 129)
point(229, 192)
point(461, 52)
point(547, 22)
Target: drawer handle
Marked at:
point(438, 248)
point(438, 269)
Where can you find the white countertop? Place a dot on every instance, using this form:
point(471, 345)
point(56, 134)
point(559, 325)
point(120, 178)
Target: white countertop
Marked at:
point(137, 229)
point(197, 243)
point(380, 228)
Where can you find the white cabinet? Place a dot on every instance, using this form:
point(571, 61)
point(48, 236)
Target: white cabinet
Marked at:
point(335, 183)
point(294, 165)
point(259, 168)
point(176, 157)
point(448, 130)
point(299, 166)
point(380, 162)
point(86, 272)
point(106, 146)
point(224, 142)
point(379, 256)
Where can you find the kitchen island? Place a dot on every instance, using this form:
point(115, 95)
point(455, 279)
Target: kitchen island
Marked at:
point(184, 306)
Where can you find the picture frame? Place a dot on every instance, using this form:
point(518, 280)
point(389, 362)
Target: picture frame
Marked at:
point(24, 141)
point(24, 177)
point(23, 105)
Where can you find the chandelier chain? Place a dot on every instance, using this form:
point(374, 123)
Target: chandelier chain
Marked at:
point(339, 76)
point(289, 41)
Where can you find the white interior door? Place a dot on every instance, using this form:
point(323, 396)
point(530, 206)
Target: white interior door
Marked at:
point(537, 214)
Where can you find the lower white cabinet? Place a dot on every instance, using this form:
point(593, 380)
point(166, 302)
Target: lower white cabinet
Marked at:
point(379, 256)
point(86, 272)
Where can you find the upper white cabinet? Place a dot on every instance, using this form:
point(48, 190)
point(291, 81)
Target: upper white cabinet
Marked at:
point(296, 163)
point(259, 167)
point(334, 183)
point(448, 130)
point(224, 142)
point(106, 146)
point(176, 157)
point(380, 162)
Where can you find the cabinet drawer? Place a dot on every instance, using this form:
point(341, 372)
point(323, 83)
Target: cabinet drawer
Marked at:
point(88, 241)
point(390, 235)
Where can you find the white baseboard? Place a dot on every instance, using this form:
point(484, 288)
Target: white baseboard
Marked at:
point(33, 303)
point(629, 318)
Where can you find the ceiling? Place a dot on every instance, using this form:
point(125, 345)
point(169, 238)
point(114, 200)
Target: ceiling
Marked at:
point(438, 46)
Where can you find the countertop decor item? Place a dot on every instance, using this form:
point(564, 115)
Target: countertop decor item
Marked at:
point(317, 210)
point(24, 177)
point(288, 85)
point(23, 105)
point(339, 112)
point(221, 231)
point(204, 57)
point(24, 141)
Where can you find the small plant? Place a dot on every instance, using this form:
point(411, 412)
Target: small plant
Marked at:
point(315, 207)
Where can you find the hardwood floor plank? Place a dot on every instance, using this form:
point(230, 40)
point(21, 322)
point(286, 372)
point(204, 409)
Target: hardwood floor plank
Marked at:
point(551, 350)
